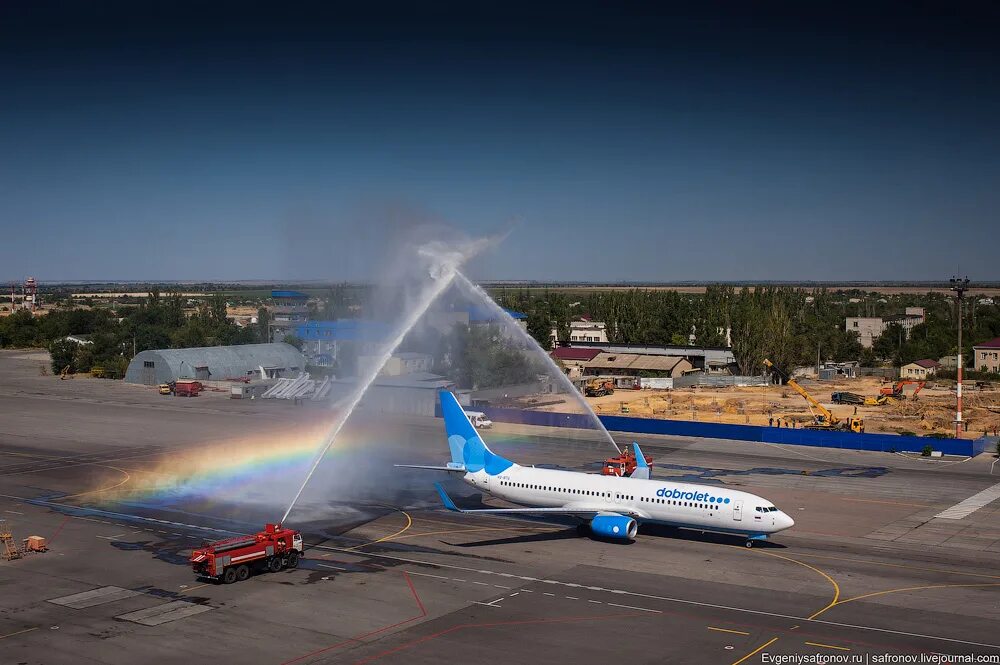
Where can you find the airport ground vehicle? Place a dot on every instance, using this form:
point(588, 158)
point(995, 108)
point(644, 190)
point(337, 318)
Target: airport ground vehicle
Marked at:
point(599, 388)
point(233, 559)
point(166, 389)
point(622, 465)
point(187, 388)
point(824, 419)
point(479, 420)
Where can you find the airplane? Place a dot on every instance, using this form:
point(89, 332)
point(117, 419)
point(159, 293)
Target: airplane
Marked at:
point(614, 506)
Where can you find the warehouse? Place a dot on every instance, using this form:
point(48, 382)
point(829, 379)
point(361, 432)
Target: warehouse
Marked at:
point(214, 363)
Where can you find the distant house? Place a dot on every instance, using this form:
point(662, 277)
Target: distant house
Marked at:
point(574, 360)
point(986, 356)
point(919, 370)
point(79, 339)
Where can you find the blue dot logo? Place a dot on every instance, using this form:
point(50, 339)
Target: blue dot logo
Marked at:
point(726, 500)
point(711, 499)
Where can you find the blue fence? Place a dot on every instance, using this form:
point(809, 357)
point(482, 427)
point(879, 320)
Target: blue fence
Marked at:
point(799, 437)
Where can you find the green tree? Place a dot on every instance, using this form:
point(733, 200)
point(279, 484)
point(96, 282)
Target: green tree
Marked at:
point(293, 340)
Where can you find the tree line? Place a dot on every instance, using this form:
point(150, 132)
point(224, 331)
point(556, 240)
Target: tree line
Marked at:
point(792, 326)
point(115, 335)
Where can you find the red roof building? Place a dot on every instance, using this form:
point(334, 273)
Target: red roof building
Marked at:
point(566, 353)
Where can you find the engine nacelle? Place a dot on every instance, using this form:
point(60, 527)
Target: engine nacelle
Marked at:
point(612, 525)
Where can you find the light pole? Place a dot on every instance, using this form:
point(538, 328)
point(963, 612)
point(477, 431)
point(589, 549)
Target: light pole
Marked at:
point(959, 286)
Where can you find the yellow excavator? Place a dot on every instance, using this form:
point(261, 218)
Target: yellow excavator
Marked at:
point(824, 419)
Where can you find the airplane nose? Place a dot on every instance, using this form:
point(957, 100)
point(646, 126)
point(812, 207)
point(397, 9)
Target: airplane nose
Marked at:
point(786, 522)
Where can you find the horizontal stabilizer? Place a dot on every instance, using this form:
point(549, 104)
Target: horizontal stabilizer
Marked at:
point(454, 468)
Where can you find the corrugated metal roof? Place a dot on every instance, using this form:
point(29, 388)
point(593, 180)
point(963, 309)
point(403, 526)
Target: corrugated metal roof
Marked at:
point(221, 362)
point(289, 294)
point(927, 362)
point(634, 361)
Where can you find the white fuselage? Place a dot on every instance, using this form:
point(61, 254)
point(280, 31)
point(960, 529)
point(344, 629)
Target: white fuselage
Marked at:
point(686, 505)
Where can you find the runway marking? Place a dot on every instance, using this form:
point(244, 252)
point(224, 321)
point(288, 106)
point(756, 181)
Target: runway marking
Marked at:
point(727, 630)
point(898, 565)
point(326, 565)
point(409, 523)
point(103, 489)
point(971, 505)
point(358, 638)
point(827, 646)
point(893, 503)
point(19, 632)
point(755, 651)
point(459, 530)
point(413, 572)
point(684, 601)
point(116, 537)
point(494, 624)
point(572, 598)
point(13, 512)
point(916, 588)
point(631, 607)
point(836, 587)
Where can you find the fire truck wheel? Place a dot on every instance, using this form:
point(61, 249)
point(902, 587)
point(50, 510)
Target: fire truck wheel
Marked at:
point(229, 576)
point(274, 565)
point(242, 573)
point(293, 560)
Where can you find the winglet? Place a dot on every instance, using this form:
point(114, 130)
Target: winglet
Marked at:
point(641, 466)
point(445, 499)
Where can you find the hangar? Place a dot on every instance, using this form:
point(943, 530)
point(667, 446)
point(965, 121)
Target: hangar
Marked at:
point(214, 363)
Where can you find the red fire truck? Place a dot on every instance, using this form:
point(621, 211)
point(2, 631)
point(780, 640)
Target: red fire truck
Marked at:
point(233, 559)
point(623, 465)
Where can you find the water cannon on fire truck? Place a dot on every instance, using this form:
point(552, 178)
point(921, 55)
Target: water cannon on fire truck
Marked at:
point(234, 559)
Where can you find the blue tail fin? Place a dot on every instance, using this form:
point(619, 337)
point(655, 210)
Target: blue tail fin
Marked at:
point(467, 447)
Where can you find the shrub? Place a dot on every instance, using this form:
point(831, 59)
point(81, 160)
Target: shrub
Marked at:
point(926, 452)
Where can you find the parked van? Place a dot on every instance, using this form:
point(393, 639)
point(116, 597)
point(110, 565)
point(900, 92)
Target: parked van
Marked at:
point(479, 420)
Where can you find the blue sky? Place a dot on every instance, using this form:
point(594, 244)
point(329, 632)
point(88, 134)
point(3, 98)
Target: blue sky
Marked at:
point(828, 142)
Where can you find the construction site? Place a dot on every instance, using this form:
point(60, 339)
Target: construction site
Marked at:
point(929, 412)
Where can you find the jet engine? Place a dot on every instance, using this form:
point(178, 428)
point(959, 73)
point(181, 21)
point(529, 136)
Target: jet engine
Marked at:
point(613, 525)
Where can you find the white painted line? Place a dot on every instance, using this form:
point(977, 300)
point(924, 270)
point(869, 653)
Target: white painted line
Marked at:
point(572, 598)
point(326, 565)
point(480, 583)
point(487, 604)
point(546, 593)
point(683, 601)
point(411, 572)
point(632, 607)
point(113, 537)
point(972, 504)
point(457, 579)
point(500, 586)
point(596, 602)
point(13, 512)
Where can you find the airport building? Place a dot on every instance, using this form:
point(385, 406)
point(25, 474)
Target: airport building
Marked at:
point(215, 363)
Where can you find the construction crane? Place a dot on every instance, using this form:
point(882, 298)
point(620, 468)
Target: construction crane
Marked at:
point(824, 419)
point(896, 391)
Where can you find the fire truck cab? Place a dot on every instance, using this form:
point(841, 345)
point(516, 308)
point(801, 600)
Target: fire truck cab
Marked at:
point(234, 559)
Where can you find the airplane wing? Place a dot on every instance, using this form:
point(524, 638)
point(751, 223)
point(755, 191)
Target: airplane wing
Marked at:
point(585, 511)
